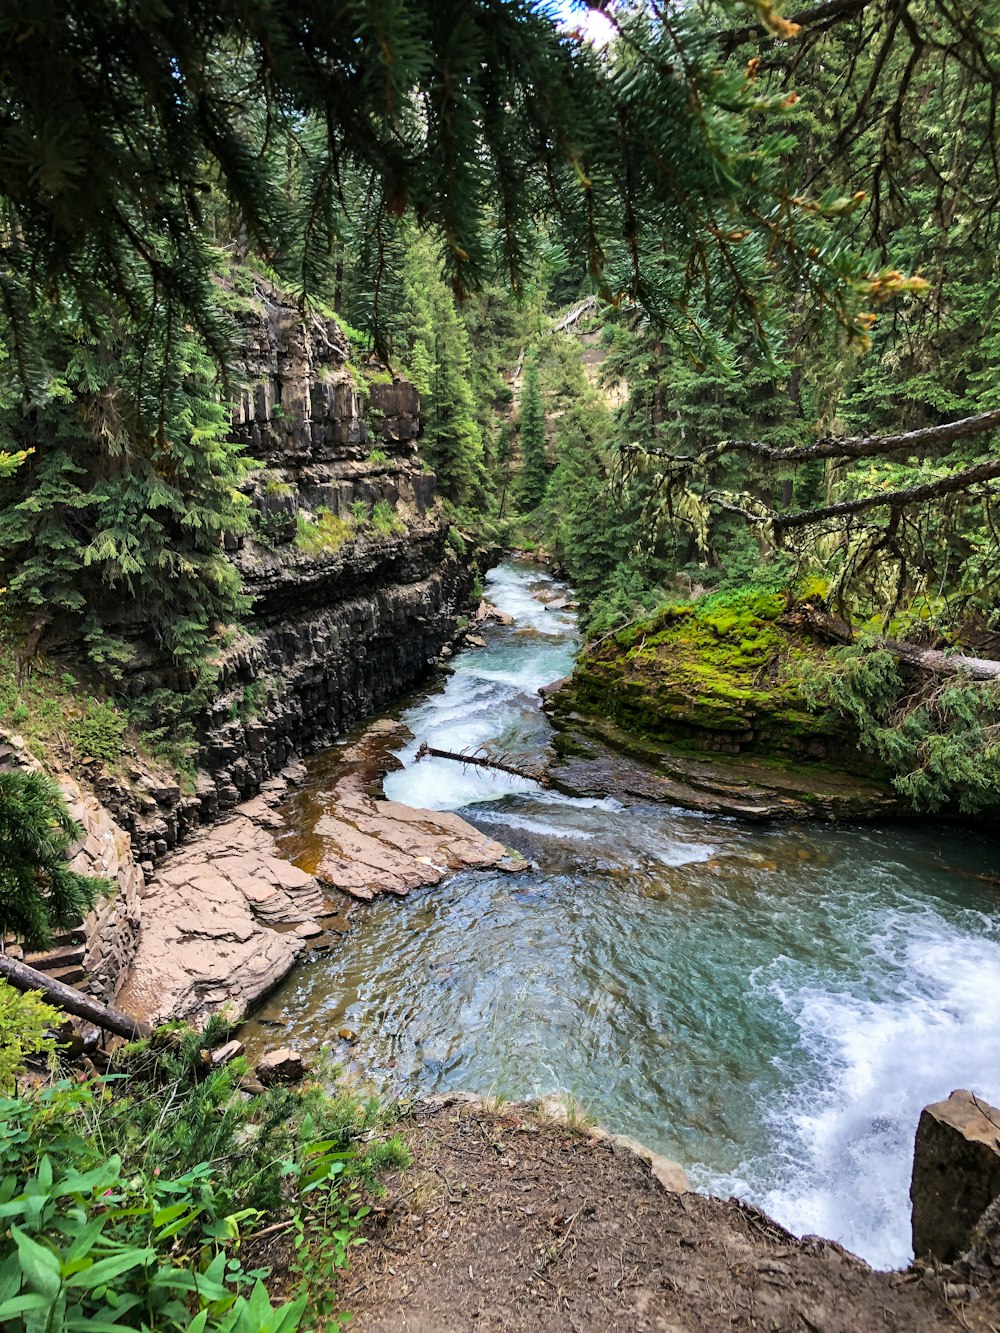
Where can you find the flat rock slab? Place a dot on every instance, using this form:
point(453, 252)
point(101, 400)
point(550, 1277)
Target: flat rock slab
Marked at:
point(373, 847)
point(363, 845)
point(222, 924)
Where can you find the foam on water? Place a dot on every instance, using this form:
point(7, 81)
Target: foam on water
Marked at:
point(924, 1024)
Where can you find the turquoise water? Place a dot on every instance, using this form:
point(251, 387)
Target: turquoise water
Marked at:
point(769, 1005)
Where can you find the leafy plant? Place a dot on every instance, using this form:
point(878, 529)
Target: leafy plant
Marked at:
point(324, 534)
point(98, 733)
point(385, 521)
point(124, 1202)
point(27, 1027)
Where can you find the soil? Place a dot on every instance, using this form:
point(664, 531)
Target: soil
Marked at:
point(505, 1221)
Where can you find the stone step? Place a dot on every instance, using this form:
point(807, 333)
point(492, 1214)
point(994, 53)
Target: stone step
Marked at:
point(69, 976)
point(77, 935)
point(66, 956)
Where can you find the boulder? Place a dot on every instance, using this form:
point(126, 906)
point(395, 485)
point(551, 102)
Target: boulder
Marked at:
point(956, 1173)
point(281, 1066)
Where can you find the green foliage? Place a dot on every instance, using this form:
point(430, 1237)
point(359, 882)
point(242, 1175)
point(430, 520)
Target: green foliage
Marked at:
point(385, 521)
point(437, 352)
point(126, 1200)
point(378, 458)
point(940, 737)
point(39, 894)
point(98, 733)
point(27, 1027)
point(127, 494)
point(323, 534)
point(532, 478)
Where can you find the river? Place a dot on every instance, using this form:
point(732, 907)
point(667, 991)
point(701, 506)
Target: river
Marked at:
point(769, 1005)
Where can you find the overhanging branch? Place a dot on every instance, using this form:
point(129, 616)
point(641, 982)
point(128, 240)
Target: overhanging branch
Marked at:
point(924, 439)
point(910, 495)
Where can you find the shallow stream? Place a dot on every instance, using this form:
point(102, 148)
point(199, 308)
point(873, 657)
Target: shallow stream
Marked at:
point(769, 1005)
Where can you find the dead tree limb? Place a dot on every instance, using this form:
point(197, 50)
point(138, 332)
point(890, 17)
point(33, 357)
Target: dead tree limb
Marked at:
point(925, 439)
point(926, 659)
point(485, 761)
point(72, 1001)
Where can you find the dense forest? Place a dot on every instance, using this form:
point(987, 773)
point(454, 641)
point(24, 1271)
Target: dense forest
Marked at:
point(702, 304)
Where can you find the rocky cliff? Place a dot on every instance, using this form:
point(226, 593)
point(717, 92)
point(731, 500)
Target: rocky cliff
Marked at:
point(355, 587)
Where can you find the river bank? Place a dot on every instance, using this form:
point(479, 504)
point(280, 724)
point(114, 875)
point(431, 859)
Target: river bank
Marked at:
point(508, 1219)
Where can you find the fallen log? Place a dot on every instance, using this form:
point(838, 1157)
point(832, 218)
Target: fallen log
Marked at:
point(926, 659)
point(72, 1001)
point(485, 761)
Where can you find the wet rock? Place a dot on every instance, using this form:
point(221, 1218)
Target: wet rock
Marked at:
point(374, 847)
point(281, 1066)
point(956, 1173)
point(487, 612)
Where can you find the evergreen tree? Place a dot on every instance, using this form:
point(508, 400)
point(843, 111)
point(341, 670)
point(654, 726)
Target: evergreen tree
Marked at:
point(118, 514)
point(533, 475)
point(439, 360)
point(39, 894)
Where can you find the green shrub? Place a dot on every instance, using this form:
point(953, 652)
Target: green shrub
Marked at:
point(456, 541)
point(98, 734)
point(378, 457)
point(125, 1201)
point(385, 521)
point(360, 511)
point(27, 1027)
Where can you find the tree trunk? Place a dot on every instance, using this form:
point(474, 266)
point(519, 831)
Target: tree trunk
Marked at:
point(71, 1000)
point(480, 761)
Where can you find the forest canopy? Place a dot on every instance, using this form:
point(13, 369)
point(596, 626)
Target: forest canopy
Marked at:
point(787, 222)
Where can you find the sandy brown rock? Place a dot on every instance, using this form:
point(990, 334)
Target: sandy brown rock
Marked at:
point(365, 846)
point(956, 1173)
point(221, 925)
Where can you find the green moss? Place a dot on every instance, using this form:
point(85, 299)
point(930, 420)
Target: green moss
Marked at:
point(722, 667)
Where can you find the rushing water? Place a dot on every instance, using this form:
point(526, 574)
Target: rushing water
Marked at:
point(771, 1006)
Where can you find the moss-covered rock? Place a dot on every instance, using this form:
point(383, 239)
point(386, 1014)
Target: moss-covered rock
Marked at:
point(723, 674)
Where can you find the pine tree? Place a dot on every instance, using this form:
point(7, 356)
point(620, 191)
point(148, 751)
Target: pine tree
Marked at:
point(439, 360)
point(533, 476)
point(39, 894)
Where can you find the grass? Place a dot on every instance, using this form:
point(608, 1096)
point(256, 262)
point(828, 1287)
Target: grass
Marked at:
point(323, 534)
point(60, 720)
point(385, 521)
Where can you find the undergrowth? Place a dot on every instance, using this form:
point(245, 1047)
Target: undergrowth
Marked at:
point(132, 1201)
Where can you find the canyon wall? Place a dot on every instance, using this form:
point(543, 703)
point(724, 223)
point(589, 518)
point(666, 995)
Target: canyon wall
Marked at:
point(348, 611)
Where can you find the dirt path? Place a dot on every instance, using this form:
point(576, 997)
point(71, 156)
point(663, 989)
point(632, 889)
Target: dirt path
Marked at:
point(505, 1222)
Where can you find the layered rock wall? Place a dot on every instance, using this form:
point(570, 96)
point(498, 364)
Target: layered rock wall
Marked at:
point(355, 588)
point(98, 953)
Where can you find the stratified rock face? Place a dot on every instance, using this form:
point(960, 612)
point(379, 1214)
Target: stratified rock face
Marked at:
point(223, 923)
point(956, 1173)
point(352, 605)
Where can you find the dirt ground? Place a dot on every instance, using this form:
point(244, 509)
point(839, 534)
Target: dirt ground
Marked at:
point(505, 1222)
